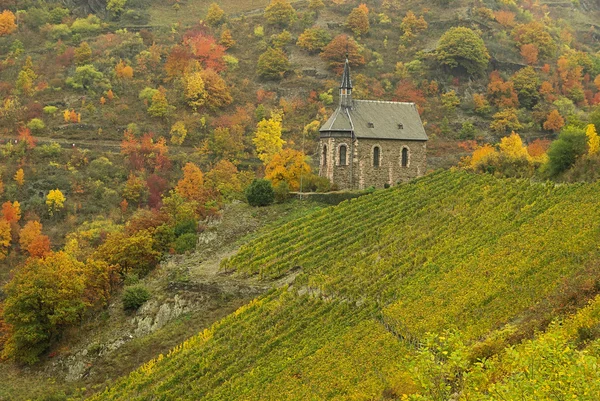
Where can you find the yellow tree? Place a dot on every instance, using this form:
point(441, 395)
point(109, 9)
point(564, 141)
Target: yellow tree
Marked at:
point(178, 133)
point(215, 15)
point(194, 90)
point(5, 238)
point(288, 165)
point(30, 231)
point(55, 201)
point(554, 121)
point(512, 147)
point(481, 156)
point(20, 177)
point(123, 70)
point(593, 139)
point(191, 186)
point(267, 139)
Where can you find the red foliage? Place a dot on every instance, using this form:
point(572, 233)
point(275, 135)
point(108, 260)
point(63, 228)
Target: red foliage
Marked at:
point(538, 147)
point(145, 219)
point(206, 50)
point(406, 91)
point(156, 186)
point(177, 61)
point(264, 96)
point(66, 58)
point(145, 153)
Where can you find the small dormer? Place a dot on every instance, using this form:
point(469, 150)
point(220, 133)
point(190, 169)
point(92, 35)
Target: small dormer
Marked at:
point(400, 126)
point(371, 125)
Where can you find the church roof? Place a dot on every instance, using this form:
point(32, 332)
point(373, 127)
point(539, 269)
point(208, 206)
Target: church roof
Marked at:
point(378, 120)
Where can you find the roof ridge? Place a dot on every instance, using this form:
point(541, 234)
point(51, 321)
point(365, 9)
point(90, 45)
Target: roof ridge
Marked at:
point(383, 101)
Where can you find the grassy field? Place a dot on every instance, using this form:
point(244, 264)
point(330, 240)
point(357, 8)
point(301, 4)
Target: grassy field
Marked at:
point(445, 285)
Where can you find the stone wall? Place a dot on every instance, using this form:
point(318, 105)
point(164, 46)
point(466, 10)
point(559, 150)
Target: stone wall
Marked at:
point(359, 172)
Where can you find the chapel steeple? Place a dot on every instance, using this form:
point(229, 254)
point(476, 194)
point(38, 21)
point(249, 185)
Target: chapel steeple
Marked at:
point(346, 86)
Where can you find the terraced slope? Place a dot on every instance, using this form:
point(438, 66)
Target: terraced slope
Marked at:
point(441, 287)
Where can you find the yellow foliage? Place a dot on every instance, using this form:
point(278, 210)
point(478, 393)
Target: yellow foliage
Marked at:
point(5, 238)
point(289, 166)
point(593, 139)
point(512, 147)
point(178, 133)
point(267, 139)
point(7, 23)
point(55, 201)
point(482, 155)
point(194, 89)
point(191, 186)
point(20, 177)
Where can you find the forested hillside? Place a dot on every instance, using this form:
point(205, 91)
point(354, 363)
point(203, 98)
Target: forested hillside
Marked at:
point(128, 126)
point(455, 286)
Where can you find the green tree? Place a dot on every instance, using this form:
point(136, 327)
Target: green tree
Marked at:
point(87, 77)
point(462, 47)
point(83, 54)
point(280, 12)
point(562, 154)
point(313, 39)
point(273, 63)
point(527, 83)
point(160, 105)
point(116, 7)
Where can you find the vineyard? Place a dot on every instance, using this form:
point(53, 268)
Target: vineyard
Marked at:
point(453, 284)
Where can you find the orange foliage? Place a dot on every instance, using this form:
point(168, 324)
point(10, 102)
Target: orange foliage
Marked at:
point(110, 95)
point(335, 52)
point(530, 53)
point(482, 155)
point(191, 186)
point(554, 122)
point(145, 153)
point(505, 18)
point(123, 70)
point(206, 50)
point(547, 91)
point(11, 212)
point(406, 91)
point(501, 93)
point(177, 61)
point(26, 137)
point(288, 165)
point(538, 147)
point(7, 23)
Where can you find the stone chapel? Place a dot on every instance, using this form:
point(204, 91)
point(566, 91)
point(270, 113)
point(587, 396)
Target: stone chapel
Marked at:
point(370, 142)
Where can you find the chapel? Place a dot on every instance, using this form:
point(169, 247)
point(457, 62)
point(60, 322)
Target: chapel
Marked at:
point(370, 142)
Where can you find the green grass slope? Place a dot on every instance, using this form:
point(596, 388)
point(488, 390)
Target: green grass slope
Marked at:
point(453, 284)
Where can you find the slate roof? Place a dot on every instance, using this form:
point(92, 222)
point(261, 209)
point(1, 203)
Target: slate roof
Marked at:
point(377, 120)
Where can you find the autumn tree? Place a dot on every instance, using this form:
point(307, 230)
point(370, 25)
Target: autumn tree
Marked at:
point(224, 179)
point(123, 71)
point(280, 12)
point(267, 138)
point(272, 64)
point(501, 93)
point(450, 100)
point(358, 20)
point(19, 177)
point(11, 211)
point(335, 53)
point(226, 143)
point(593, 139)
point(530, 53)
point(505, 121)
point(26, 78)
point(7, 23)
point(194, 91)
point(32, 240)
point(26, 138)
point(5, 238)
point(534, 33)
point(83, 54)
point(505, 18)
point(461, 47)
point(316, 5)
point(43, 297)
point(563, 152)
point(554, 122)
point(227, 40)
point(217, 93)
point(135, 190)
point(287, 165)
point(55, 200)
point(177, 61)
point(160, 107)
point(215, 15)
point(411, 26)
point(206, 51)
point(512, 147)
point(191, 185)
point(313, 39)
point(178, 133)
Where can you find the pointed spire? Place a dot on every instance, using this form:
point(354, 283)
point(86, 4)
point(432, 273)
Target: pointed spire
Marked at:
point(346, 80)
point(346, 87)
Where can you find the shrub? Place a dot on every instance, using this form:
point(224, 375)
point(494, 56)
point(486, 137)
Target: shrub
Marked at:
point(50, 110)
point(571, 143)
point(134, 297)
point(36, 125)
point(186, 227)
point(260, 193)
point(282, 192)
point(185, 242)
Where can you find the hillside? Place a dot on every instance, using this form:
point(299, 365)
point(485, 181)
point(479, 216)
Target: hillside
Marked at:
point(454, 284)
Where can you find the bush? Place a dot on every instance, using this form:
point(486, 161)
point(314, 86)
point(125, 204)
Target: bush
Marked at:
point(50, 110)
point(571, 143)
point(260, 193)
point(186, 227)
point(134, 297)
point(36, 125)
point(186, 242)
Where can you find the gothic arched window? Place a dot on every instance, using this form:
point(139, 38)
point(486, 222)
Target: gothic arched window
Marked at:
point(404, 157)
point(376, 156)
point(343, 150)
